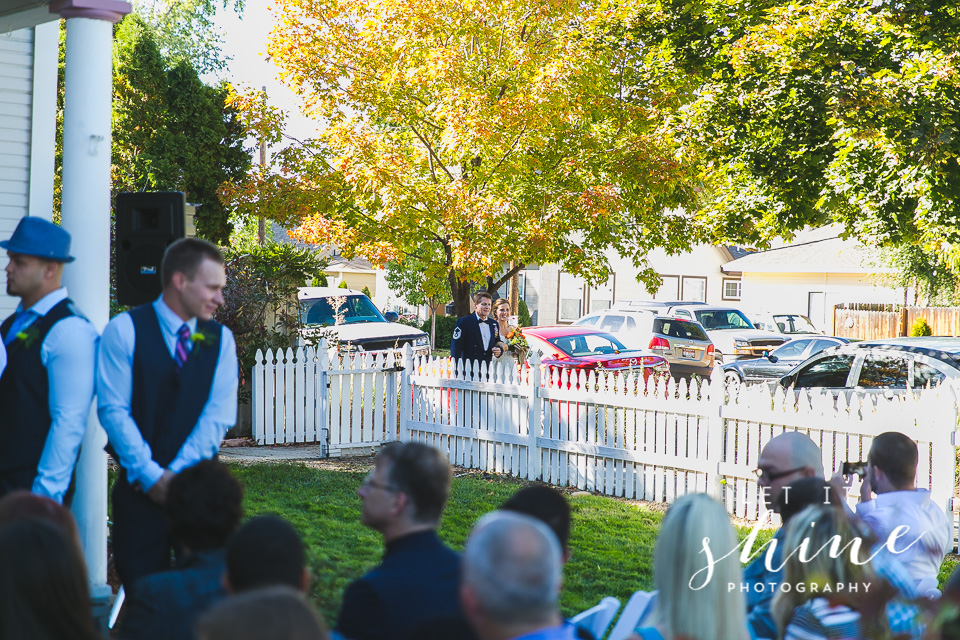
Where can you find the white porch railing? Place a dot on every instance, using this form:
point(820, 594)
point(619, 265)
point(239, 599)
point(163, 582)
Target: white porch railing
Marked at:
point(595, 431)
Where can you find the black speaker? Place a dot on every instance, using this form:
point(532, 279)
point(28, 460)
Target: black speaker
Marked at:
point(146, 224)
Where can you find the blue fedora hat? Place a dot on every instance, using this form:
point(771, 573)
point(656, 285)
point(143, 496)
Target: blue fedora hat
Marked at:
point(40, 238)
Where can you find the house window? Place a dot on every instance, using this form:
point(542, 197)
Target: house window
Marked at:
point(731, 289)
point(571, 298)
point(601, 297)
point(669, 288)
point(694, 289)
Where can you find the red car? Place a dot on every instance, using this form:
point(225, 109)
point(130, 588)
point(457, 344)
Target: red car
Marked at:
point(583, 348)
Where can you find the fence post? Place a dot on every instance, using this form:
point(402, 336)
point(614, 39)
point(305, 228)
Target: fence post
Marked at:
point(944, 460)
point(534, 420)
point(257, 399)
point(406, 394)
point(391, 419)
point(716, 398)
point(323, 398)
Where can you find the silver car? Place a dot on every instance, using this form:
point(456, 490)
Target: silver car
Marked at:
point(887, 367)
point(682, 342)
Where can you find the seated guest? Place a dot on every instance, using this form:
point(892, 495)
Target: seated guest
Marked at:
point(543, 503)
point(24, 505)
point(264, 552)
point(512, 568)
point(547, 505)
point(829, 595)
point(204, 506)
point(783, 462)
point(892, 475)
point(690, 607)
point(273, 613)
point(44, 592)
point(403, 498)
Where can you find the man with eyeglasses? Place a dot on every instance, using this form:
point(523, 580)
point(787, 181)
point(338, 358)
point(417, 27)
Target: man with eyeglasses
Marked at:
point(785, 460)
point(418, 579)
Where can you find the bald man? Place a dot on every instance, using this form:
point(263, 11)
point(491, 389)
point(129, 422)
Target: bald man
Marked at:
point(785, 460)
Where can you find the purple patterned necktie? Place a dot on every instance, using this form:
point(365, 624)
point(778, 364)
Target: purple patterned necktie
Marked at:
point(183, 336)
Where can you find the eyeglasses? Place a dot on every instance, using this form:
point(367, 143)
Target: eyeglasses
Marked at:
point(369, 482)
point(772, 476)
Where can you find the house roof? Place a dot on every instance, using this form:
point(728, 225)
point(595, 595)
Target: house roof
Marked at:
point(819, 250)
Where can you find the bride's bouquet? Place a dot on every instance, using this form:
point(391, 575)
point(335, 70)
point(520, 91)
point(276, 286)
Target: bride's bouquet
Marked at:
point(517, 343)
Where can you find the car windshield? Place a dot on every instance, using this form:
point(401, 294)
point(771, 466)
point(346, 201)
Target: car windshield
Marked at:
point(679, 329)
point(794, 324)
point(591, 344)
point(352, 308)
point(714, 319)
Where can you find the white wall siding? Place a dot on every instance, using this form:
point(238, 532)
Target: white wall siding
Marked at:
point(28, 85)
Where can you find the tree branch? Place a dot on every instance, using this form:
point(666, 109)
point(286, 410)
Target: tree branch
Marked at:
point(431, 152)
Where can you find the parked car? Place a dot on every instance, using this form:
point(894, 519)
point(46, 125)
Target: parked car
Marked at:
point(890, 367)
point(585, 348)
point(733, 335)
point(789, 324)
point(778, 362)
point(682, 341)
point(351, 318)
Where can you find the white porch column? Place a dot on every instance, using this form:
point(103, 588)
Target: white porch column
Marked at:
point(88, 95)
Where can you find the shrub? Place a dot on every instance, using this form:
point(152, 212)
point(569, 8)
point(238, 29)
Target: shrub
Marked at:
point(343, 284)
point(445, 326)
point(523, 314)
point(366, 291)
point(320, 280)
point(921, 328)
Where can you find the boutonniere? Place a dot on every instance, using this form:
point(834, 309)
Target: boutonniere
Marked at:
point(27, 337)
point(201, 338)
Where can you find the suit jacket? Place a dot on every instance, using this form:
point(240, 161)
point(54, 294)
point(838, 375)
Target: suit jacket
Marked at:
point(418, 579)
point(166, 606)
point(467, 343)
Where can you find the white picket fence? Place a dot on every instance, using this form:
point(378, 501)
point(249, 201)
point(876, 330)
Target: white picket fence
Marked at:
point(301, 397)
point(597, 432)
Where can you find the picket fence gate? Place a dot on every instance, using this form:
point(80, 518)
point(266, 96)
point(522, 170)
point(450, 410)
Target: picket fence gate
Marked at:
point(592, 430)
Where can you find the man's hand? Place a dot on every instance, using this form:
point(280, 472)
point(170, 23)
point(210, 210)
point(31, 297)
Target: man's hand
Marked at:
point(866, 489)
point(841, 484)
point(158, 492)
point(497, 352)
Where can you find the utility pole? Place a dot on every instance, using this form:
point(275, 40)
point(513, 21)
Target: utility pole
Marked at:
point(261, 223)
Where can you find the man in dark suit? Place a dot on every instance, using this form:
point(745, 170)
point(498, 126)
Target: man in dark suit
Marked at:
point(477, 336)
point(204, 508)
point(403, 498)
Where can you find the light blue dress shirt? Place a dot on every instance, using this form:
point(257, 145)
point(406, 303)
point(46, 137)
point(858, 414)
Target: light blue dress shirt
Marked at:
point(115, 392)
point(3, 357)
point(69, 353)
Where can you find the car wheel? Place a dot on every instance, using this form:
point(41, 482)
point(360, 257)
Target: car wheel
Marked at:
point(732, 380)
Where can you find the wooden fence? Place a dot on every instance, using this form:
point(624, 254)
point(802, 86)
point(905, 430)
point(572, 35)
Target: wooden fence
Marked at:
point(598, 432)
point(877, 322)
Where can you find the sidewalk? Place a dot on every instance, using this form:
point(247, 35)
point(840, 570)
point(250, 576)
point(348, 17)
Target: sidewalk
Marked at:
point(308, 454)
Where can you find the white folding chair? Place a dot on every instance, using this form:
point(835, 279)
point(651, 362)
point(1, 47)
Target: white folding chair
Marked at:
point(638, 606)
point(596, 619)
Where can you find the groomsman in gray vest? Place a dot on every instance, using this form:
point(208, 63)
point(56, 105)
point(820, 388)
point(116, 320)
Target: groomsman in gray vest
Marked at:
point(47, 385)
point(166, 393)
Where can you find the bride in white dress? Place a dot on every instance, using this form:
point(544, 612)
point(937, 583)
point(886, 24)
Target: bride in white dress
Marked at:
point(501, 313)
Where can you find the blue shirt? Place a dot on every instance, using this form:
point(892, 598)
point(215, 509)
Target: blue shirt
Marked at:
point(69, 353)
point(115, 391)
point(566, 631)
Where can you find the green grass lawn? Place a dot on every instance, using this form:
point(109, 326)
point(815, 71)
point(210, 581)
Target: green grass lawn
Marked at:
point(612, 540)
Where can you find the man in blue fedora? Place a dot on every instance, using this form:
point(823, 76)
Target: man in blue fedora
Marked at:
point(47, 386)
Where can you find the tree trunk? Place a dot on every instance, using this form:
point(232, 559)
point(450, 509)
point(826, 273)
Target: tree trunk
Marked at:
point(461, 295)
point(514, 290)
point(433, 321)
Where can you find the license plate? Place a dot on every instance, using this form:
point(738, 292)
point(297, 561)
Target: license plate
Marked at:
point(688, 353)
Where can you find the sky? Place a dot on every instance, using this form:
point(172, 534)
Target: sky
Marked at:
point(245, 41)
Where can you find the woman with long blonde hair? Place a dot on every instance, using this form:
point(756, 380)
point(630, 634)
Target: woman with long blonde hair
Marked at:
point(824, 594)
point(689, 605)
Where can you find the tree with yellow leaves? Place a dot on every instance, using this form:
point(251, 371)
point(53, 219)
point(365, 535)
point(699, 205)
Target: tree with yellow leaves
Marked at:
point(470, 134)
